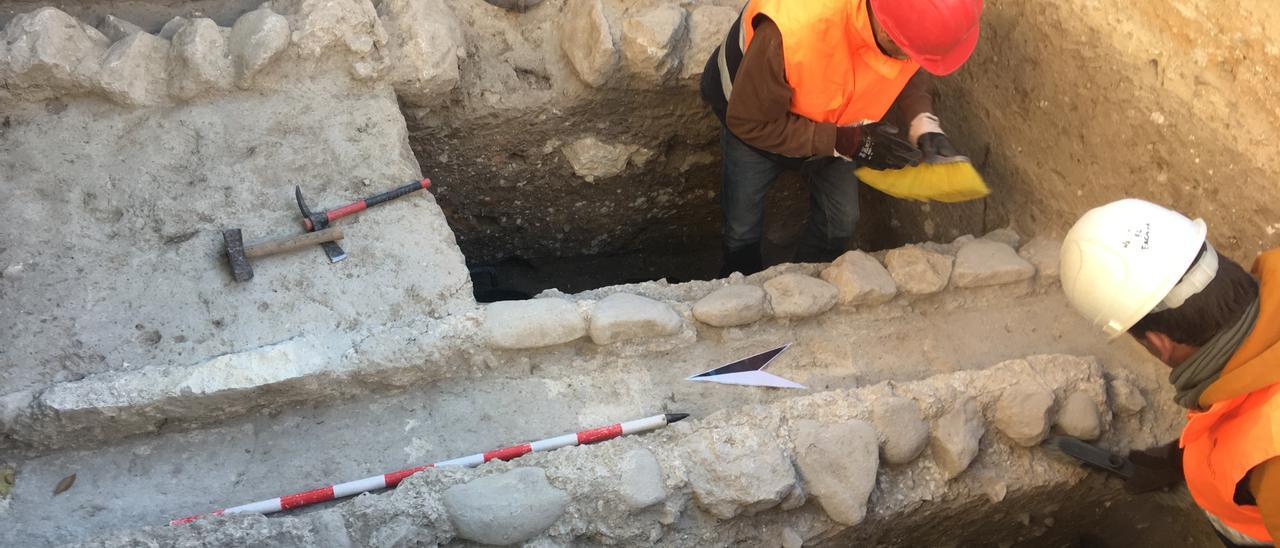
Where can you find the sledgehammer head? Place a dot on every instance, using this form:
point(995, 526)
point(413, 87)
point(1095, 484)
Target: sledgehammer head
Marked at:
point(240, 268)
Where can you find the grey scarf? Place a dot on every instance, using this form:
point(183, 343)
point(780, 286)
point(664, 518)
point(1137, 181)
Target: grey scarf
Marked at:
point(1205, 366)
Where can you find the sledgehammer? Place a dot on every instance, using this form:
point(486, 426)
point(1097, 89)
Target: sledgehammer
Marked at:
point(238, 255)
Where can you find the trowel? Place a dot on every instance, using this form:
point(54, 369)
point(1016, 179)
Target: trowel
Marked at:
point(1092, 455)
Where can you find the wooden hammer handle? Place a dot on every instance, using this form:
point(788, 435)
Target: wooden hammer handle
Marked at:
point(293, 242)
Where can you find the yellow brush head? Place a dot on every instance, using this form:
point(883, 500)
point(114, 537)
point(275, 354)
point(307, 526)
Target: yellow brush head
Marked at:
point(950, 181)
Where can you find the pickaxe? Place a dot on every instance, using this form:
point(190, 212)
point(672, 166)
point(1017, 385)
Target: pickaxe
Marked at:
point(238, 255)
point(320, 220)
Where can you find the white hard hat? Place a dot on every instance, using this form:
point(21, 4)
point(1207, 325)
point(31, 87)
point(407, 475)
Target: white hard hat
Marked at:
point(1123, 260)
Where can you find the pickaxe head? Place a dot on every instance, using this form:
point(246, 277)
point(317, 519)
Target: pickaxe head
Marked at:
point(240, 268)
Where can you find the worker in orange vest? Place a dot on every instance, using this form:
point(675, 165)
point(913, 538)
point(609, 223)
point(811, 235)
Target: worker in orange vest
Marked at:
point(805, 84)
point(1135, 267)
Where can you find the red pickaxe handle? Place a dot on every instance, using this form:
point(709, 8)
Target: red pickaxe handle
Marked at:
point(361, 205)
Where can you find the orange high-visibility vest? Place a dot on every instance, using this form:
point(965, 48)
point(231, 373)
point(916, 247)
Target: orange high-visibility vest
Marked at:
point(1222, 444)
point(833, 64)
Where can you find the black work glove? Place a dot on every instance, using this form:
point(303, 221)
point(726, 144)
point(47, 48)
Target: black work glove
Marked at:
point(935, 146)
point(1155, 469)
point(876, 145)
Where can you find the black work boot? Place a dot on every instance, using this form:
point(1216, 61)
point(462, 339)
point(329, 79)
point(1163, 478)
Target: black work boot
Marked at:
point(816, 249)
point(745, 260)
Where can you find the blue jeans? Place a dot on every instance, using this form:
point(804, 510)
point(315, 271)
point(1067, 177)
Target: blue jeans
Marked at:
point(746, 176)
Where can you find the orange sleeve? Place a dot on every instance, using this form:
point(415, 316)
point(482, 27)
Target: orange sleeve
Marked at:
point(1264, 484)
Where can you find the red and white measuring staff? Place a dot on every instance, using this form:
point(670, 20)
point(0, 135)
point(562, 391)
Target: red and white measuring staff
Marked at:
point(386, 481)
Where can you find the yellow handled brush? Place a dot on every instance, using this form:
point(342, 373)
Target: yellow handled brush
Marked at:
point(951, 179)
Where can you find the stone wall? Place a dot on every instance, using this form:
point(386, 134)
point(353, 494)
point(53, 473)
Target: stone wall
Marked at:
point(884, 465)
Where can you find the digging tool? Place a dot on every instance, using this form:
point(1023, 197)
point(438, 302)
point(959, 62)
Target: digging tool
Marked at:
point(313, 221)
point(1092, 455)
point(238, 255)
point(388, 481)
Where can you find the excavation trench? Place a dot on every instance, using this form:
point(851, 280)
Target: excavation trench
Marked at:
point(558, 173)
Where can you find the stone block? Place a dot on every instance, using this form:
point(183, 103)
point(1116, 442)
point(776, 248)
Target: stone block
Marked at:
point(860, 279)
point(730, 306)
point(257, 38)
point(737, 470)
point(1126, 399)
point(708, 26)
point(982, 263)
point(838, 463)
point(534, 323)
point(425, 42)
point(903, 430)
point(1079, 417)
point(199, 60)
point(133, 70)
point(1044, 254)
point(1006, 236)
point(171, 28)
point(957, 436)
point(51, 50)
point(592, 159)
point(800, 296)
point(623, 316)
point(116, 29)
point(505, 509)
point(1022, 413)
point(333, 27)
point(650, 41)
point(918, 271)
point(640, 479)
point(587, 40)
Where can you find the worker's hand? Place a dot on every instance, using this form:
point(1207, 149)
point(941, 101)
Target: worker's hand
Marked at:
point(934, 146)
point(876, 145)
point(1155, 468)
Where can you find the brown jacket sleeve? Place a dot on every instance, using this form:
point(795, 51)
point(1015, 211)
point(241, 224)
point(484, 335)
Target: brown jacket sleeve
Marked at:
point(760, 105)
point(916, 98)
point(1264, 484)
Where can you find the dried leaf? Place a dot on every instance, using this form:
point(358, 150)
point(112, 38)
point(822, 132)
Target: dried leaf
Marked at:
point(8, 477)
point(65, 484)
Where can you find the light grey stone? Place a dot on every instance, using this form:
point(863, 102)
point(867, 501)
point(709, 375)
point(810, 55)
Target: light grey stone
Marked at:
point(534, 323)
point(860, 279)
point(199, 60)
point(425, 42)
point(903, 430)
point(50, 50)
point(838, 463)
point(737, 470)
point(1079, 417)
point(707, 28)
point(257, 38)
point(640, 479)
point(623, 316)
point(984, 262)
point(940, 248)
point(957, 437)
point(1126, 399)
point(1006, 236)
point(791, 539)
point(505, 509)
point(918, 271)
point(586, 39)
point(345, 28)
point(800, 296)
point(731, 305)
point(1022, 413)
point(795, 499)
point(133, 70)
point(116, 29)
point(172, 27)
point(650, 41)
point(592, 159)
point(1044, 254)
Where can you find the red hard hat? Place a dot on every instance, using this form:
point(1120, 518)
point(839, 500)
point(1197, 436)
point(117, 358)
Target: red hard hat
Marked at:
point(938, 34)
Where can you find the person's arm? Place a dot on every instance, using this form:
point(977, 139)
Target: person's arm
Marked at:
point(915, 103)
point(760, 106)
point(1264, 484)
